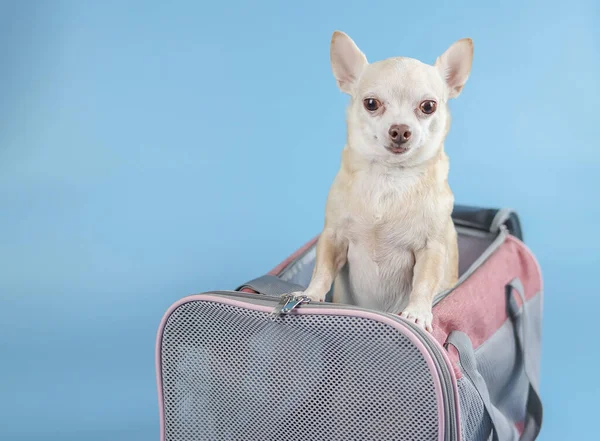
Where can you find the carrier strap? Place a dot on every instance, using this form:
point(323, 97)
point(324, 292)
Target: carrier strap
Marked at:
point(271, 286)
point(534, 416)
point(468, 364)
point(501, 430)
point(487, 219)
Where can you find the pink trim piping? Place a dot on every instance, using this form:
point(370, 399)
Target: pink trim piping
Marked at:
point(454, 381)
point(362, 314)
point(293, 256)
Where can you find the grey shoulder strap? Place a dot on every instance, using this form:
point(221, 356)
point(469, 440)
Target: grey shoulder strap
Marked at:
point(462, 343)
point(466, 357)
point(534, 416)
point(271, 286)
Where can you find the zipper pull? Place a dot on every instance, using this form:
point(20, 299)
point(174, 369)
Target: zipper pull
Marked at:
point(287, 302)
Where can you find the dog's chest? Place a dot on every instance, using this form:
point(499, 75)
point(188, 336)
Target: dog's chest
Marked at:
point(387, 215)
point(385, 222)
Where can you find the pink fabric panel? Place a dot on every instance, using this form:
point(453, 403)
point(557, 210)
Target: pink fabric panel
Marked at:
point(478, 307)
point(286, 262)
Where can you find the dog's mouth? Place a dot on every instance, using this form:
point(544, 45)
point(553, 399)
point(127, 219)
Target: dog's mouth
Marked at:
point(397, 150)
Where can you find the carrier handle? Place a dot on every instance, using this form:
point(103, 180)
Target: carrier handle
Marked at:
point(487, 219)
point(271, 286)
point(534, 409)
point(468, 363)
point(466, 358)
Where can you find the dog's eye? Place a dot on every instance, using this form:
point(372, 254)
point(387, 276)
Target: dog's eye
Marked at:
point(371, 104)
point(428, 107)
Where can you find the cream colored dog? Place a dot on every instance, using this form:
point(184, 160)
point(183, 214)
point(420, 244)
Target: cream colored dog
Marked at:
point(389, 241)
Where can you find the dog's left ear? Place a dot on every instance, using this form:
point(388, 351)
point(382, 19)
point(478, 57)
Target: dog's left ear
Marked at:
point(455, 65)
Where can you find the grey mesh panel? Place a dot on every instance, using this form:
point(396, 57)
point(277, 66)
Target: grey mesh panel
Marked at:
point(233, 374)
point(470, 247)
point(500, 363)
point(301, 270)
point(475, 423)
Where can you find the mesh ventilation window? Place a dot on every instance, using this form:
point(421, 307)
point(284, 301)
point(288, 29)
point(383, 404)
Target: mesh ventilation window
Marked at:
point(233, 374)
point(475, 423)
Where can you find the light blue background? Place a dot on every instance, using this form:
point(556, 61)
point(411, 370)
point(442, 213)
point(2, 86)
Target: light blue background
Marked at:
point(150, 151)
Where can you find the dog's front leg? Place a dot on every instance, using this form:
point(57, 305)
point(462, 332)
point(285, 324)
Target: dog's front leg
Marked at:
point(331, 257)
point(428, 275)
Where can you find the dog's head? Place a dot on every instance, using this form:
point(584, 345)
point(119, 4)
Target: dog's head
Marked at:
point(398, 110)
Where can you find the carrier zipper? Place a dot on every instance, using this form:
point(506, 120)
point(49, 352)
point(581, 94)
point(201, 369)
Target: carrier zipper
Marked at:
point(443, 369)
point(287, 302)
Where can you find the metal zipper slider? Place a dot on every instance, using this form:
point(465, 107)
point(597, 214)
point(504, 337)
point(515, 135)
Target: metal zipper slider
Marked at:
point(288, 302)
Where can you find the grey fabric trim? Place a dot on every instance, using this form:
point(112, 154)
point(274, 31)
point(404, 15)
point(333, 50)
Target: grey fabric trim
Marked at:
point(534, 418)
point(500, 219)
point(271, 286)
point(501, 430)
point(472, 232)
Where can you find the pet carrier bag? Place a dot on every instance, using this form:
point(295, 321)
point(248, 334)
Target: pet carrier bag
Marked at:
point(257, 364)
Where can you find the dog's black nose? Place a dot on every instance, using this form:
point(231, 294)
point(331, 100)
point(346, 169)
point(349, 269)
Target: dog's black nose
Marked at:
point(399, 133)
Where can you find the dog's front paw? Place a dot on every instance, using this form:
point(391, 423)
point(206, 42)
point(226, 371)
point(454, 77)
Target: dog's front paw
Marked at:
point(419, 315)
point(310, 295)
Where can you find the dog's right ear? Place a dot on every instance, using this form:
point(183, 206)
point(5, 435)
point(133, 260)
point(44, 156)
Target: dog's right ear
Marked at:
point(347, 61)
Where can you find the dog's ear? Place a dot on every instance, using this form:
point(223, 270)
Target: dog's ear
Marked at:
point(455, 65)
point(347, 61)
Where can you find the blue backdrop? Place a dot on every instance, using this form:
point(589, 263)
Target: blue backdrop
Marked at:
point(149, 151)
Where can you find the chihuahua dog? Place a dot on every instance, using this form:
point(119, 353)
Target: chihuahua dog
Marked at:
point(388, 242)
